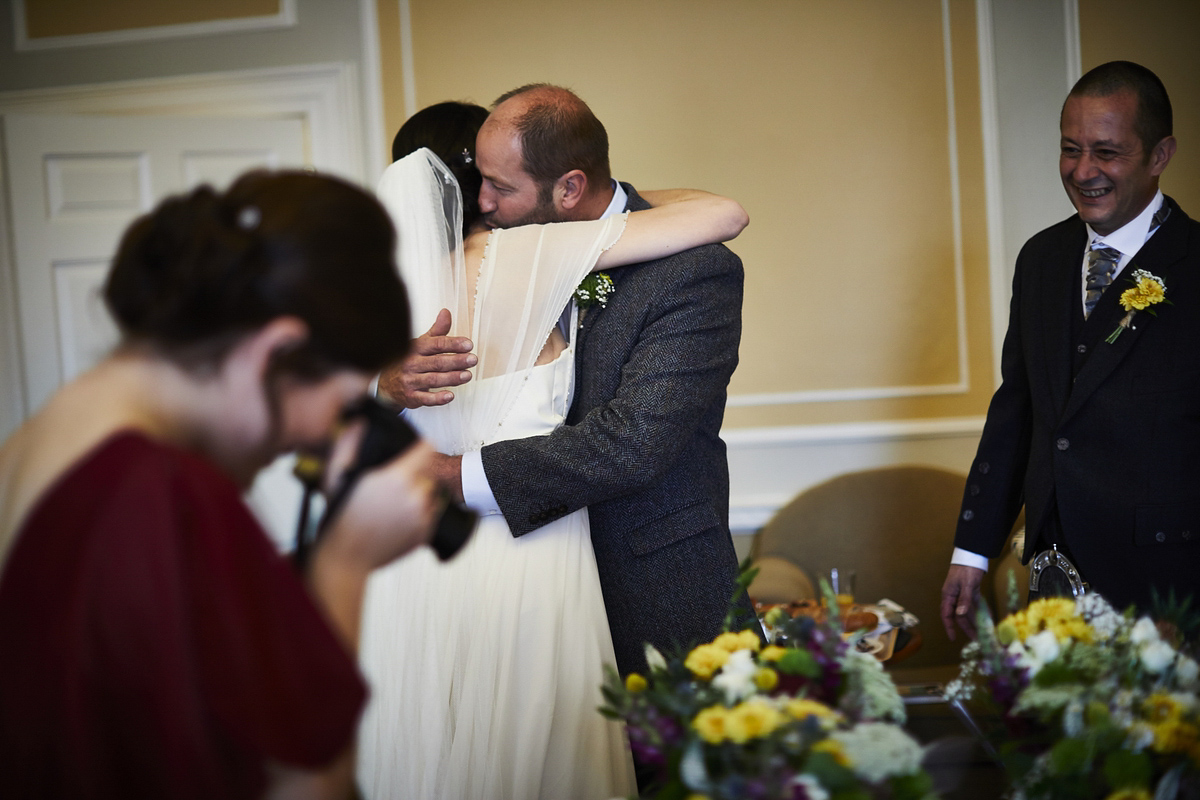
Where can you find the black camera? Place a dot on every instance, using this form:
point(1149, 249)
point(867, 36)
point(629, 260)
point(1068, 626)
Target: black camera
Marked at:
point(387, 435)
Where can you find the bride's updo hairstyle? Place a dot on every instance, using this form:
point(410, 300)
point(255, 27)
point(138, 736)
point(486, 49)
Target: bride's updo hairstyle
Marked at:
point(204, 269)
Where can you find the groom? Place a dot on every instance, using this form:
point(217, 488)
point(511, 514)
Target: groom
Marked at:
point(640, 447)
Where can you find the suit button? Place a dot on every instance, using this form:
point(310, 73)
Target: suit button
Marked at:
point(1081, 348)
point(974, 489)
point(1062, 444)
point(1160, 536)
point(984, 467)
point(968, 515)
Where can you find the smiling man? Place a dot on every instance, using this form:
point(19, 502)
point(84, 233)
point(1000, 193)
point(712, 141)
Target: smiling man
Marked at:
point(1096, 425)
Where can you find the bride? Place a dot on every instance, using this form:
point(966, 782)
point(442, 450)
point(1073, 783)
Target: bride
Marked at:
point(485, 671)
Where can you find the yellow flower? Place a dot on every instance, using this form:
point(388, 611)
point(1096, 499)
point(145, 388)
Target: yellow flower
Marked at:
point(1129, 794)
point(1148, 291)
point(1056, 614)
point(1162, 707)
point(635, 683)
point(766, 679)
point(771, 652)
point(706, 659)
point(803, 708)
point(710, 724)
point(1176, 736)
point(834, 748)
point(697, 797)
point(744, 640)
point(752, 719)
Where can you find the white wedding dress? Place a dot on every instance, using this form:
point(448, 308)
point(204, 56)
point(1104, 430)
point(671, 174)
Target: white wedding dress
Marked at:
point(485, 671)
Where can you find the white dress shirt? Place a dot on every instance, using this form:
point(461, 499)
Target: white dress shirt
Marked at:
point(477, 492)
point(1128, 240)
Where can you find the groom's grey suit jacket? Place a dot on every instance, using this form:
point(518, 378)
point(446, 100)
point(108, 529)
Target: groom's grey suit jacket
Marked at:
point(641, 449)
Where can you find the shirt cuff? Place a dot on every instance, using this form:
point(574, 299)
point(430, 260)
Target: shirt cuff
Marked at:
point(964, 558)
point(477, 493)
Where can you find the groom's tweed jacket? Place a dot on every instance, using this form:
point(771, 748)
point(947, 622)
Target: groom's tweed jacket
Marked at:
point(641, 449)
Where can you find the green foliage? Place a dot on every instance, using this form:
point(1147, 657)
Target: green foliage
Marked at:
point(799, 662)
point(1126, 770)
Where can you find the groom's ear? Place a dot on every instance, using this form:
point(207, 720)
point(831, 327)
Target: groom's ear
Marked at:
point(570, 189)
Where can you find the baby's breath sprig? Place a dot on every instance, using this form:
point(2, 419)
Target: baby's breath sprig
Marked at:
point(594, 290)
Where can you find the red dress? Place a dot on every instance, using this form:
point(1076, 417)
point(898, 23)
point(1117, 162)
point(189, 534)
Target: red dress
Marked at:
point(154, 644)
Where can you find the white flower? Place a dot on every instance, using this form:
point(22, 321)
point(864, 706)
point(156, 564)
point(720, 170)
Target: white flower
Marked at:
point(1103, 618)
point(1043, 646)
point(1141, 736)
point(736, 678)
point(813, 790)
point(870, 692)
point(1073, 718)
point(879, 751)
point(654, 659)
point(1187, 672)
point(1144, 631)
point(1157, 656)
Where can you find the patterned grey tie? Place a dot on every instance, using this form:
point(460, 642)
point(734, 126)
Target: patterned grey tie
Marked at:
point(1102, 263)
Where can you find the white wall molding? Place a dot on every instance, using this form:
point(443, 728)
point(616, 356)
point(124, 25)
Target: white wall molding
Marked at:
point(375, 137)
point(770, 466)
point(962, 385)
point(285, 18)
point(998, 271)
point(324, 96)
point(406, 59)
point(1074, 46)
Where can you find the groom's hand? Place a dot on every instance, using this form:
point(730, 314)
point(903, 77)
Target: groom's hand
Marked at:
point(435, 363)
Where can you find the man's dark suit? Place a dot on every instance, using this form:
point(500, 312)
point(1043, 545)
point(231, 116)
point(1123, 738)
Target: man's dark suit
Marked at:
point(1101, 437)
point(641, 449)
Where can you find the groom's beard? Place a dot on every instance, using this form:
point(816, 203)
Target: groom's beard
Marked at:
point(540, 214)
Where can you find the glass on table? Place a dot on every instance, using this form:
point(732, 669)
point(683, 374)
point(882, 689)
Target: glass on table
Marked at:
point(842, 580)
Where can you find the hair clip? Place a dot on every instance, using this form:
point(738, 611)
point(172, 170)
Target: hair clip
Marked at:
point(248, 218)
point(466, 156)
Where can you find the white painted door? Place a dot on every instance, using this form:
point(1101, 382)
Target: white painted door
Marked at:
point(74, 184)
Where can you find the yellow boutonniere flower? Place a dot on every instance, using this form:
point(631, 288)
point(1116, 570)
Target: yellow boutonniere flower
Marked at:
point(1148, 290)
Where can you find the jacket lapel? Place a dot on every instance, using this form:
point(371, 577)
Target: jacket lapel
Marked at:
point(1160, 256)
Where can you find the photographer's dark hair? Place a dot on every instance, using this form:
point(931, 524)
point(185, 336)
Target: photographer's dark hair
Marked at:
point(559, 133)
point(448, 129)
point(1154, 119)
point(202, 270)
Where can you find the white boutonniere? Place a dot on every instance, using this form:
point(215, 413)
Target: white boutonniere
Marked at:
point(594, 290)
point(1148, 290)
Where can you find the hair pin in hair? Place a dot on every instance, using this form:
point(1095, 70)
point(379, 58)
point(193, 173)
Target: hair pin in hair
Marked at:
point(248, 218)
point(466, 156)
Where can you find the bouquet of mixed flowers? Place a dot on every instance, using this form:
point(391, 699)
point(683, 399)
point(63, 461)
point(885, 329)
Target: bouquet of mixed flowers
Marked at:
point(807, 717)
point(1091, 703)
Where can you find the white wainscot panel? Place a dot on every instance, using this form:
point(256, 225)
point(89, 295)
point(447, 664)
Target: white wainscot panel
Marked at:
point(219, 168)
point(100, 184)
point(86, 331)
point(770, 466)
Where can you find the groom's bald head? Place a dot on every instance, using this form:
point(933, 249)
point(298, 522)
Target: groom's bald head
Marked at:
point(548, 138)
point(558, 132)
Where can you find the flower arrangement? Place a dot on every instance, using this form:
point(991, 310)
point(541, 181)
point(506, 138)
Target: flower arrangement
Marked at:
point(1148, 290)
point(807, 717)
point(1092, 703)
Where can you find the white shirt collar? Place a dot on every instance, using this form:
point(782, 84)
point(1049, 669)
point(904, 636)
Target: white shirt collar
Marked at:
point(619, 199)
point(1130, 237)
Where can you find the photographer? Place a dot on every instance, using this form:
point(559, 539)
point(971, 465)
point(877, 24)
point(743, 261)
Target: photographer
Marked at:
point(152, 642)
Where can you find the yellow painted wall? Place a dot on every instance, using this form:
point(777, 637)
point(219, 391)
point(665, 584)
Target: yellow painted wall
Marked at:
point(829, 120)
point(1161, 34)
point(69, 17)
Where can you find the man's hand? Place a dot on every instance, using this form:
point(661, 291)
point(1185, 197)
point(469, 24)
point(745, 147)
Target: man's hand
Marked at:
point(436, 362)
point(959, 595)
